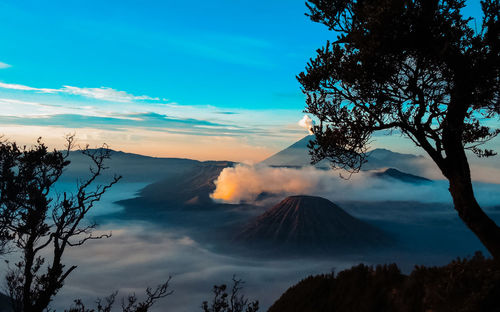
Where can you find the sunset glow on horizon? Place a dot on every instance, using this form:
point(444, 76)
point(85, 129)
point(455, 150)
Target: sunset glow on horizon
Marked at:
point(154, 80)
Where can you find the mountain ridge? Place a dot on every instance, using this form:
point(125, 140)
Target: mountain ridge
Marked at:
point(392, 173)
point(297, 156)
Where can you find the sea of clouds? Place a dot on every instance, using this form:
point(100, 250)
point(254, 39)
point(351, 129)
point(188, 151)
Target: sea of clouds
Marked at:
point(244, 183)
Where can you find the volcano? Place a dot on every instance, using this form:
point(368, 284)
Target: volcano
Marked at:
point(313, 224)
point(192, 187)
point(297, 156)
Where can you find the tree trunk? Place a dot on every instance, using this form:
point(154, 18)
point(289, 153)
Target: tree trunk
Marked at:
point(473, 216)
point(458, 173)
point(29, 258)
point(456, 166)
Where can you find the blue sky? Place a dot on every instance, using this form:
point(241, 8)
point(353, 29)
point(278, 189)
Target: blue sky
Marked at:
point(198, 79)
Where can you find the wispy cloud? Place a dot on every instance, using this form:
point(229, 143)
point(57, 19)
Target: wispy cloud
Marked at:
point(143, 124)
point(102, 93)
point(4, 65)
point(31, 109)
point(121, 122)
point(106, 94)
point(13, 86)
point(19, 102)
point(21, 109)
point(165, 117)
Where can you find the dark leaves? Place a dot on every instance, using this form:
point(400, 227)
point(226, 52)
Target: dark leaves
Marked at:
point(416, 66)
point(230, 302)
point(39, 225)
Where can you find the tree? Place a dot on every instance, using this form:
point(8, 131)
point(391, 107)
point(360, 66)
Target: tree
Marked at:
point(40, 225)
point(35, 223)
point(233, 302)
point(132, 304)
point(417, 67)
point(466, 285)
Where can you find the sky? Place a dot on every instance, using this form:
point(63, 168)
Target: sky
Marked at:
point(196, 79)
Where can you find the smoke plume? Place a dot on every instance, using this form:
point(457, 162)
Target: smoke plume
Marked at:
point(244, 183)
point(307, 123)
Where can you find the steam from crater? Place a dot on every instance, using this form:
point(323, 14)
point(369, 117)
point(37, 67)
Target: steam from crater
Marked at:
point(245, 183)
point(307, 123)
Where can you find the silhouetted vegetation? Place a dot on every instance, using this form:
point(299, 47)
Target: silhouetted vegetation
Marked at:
point(417, 67)
point(131, 304)
point(230, 302)
point(39, 225)
point(463, 285)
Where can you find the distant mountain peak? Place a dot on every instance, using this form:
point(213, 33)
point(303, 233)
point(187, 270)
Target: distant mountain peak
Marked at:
point(297, 155)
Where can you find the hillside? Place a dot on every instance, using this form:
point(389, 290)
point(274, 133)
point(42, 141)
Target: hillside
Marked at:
point(192, 187)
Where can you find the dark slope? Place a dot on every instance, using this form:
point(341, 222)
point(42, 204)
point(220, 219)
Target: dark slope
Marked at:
point(392, 173)
point(133, 167)
point(188, 188)
point(310, 223)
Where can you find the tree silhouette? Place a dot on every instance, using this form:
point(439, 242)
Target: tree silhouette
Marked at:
point(132, 304)
point(470, 284)
point(40, 226)
point(230, 302)
point(416, 67)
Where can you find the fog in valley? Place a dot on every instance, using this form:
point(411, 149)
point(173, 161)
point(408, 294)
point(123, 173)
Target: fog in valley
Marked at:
point(179, 218)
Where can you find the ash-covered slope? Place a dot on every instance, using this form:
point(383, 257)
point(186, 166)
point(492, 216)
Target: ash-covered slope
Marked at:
point(310, 223)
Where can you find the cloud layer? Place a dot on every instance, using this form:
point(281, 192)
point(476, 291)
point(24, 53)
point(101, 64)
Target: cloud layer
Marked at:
point(139, 256)
point(244, 183)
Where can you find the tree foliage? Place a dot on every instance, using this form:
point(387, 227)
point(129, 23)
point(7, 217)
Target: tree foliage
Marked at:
point(39, 225)
point(416, 67)
point(230, 302)
point(467, 285)
point(131, 304)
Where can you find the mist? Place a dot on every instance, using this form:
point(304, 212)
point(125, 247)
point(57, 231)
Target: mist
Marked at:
point(146, 253)
point(244, 183)
point(142, 255)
